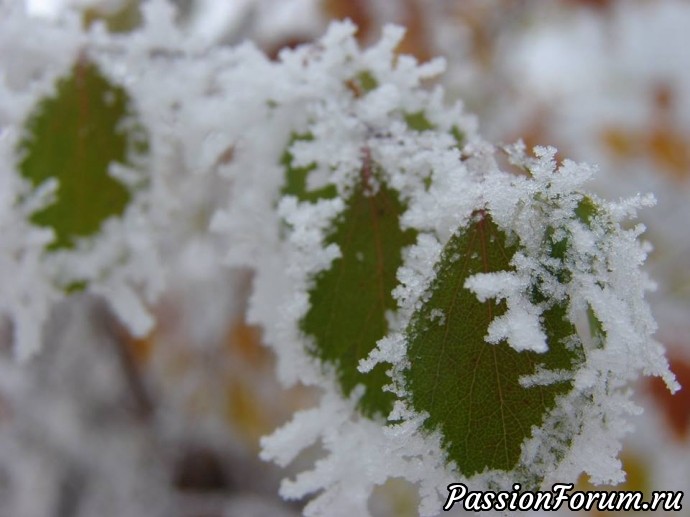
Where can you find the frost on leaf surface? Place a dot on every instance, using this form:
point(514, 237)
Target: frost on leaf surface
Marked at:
point(296, 177)
point(470, 388)
point(470, 286)
point(349, 301)
point(74, 137)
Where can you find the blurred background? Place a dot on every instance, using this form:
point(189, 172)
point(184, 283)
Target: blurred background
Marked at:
point(170, 425)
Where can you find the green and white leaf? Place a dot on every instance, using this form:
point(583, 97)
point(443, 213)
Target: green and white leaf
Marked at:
point(351, 300)
point(472, 389)
point(75, 137)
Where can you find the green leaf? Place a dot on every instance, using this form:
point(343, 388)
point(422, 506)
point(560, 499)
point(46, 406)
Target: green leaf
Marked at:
point(596, 328)
point(296, 177)
point(367, 81)
point(586, 210)
point(362, 83)
point(470, 388)
point(458, 135)
point(418, 121)
point(125, 18)
point(349, 301)
point(74, 136)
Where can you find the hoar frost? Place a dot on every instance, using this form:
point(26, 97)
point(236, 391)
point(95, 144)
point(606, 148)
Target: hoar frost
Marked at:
point(123, 262)
point(391, 150)
point(571, 250)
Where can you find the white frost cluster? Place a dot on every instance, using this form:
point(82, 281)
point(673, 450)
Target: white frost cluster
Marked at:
point(164, 229)
point(600, 75)
point(211, 191)
point(603, 263)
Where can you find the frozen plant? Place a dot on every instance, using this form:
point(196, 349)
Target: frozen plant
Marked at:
point(469, 312)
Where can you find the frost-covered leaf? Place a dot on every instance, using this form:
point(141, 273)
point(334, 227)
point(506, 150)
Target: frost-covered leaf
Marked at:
point(459, 136)
point(349, 301)
point(125, 18)
point(362, 83)
point(472, 389)
point(74, 137)
point(367, 81)
point(418, 121)
point(586, 210)
point(296, 177)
